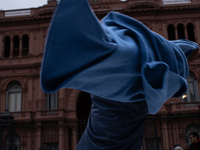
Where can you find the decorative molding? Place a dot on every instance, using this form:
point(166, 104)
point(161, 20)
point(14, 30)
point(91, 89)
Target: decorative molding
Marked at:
point(61, 103)
point(3, 80)
point(71, 103)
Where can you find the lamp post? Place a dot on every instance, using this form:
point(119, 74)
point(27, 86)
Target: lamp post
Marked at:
point(7, 124)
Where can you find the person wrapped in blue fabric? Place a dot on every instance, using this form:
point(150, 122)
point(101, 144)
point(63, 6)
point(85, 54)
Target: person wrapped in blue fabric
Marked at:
point(128, 69)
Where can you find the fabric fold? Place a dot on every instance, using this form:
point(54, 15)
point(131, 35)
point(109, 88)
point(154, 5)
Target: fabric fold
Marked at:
point(110, 58)
point(165, 85)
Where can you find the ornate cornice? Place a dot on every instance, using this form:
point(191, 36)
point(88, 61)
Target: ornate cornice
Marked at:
point(145, 7)
point(142, 6)
point(42, 14)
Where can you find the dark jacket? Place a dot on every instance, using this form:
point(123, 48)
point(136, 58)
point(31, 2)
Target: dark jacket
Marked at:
point(195, 146)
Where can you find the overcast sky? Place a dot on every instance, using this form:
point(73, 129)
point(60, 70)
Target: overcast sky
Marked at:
point(20, 4)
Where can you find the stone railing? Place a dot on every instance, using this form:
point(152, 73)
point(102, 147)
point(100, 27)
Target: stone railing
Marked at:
point(17, 13)
point(185, 106)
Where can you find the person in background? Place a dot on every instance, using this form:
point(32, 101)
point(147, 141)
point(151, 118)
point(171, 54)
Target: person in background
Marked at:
point(178, 148)
point(175, 145)
point(195, 142)
point(186, 146)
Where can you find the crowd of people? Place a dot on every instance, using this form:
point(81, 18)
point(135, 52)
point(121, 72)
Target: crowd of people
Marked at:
point(195, 143)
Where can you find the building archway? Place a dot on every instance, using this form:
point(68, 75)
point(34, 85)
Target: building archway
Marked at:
point(83, 108)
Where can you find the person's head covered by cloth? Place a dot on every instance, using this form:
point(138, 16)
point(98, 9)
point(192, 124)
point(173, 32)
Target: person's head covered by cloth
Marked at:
point(127, 67)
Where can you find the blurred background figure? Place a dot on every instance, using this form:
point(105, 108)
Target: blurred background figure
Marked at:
point(178, 148)
point(195, 143)
point(186, 147)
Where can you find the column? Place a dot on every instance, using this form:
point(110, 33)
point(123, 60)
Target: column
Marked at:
point(3, 100)
point(197, 31)
point(61, 98)
point(66, 138)
point(38, 135)
point(37, 50)
point(39, 91)
point(176, 33)
point(29, 140)
point(61, 136)
point(154, 28)
point(1, 45)
point(164, 28)
point(20, 47)
point(25, 104)
point(30, 88)
point(11, 48)
point(186, 34)
point(175, 133)
point(2, 48)
point(31, 42)
point(74, 142)
point(165, 137)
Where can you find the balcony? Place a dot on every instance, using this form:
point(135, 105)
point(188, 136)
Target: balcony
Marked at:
point(17, 13)
point(54, 114)
point(21, 115)
point(185, 107)
point(168, 2)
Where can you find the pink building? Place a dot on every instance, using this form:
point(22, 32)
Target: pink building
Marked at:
point(57, 120)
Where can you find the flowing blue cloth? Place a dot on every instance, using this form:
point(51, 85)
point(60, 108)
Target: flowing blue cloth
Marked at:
point(120, 61)
point(118, 58)
point(114, 125)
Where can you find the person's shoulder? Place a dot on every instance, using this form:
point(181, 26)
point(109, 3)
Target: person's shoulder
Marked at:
point(191, 147)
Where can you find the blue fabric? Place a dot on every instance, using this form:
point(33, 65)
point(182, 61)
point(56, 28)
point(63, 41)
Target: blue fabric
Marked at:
point(114, 125)
point(118, 58)
point(131, 70)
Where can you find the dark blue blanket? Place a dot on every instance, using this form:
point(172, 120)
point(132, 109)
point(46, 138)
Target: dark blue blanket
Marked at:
point(118, 59)
point(114, 125)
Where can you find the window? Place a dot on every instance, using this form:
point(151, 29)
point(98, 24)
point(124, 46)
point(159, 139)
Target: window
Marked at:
point(17, 142)
point(7, 47)
point(192, 93)
point(25, 45)
point(14, 96)
point(16, 46)
point(51, 101)
point(171, 32)
point(190, 32)
point(181, 31)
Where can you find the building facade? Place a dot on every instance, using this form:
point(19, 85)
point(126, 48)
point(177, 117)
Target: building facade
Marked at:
point(57, 120)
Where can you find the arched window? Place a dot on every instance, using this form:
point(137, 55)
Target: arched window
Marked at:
point(192, 93)
point(181, 31)
point(192, 127)
point(171, 32)
point(14, 96)
point(15, 46)
point(190, 32)
point(7, 47)
point(52, 101)
point(17, 142)
point(25, 45)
